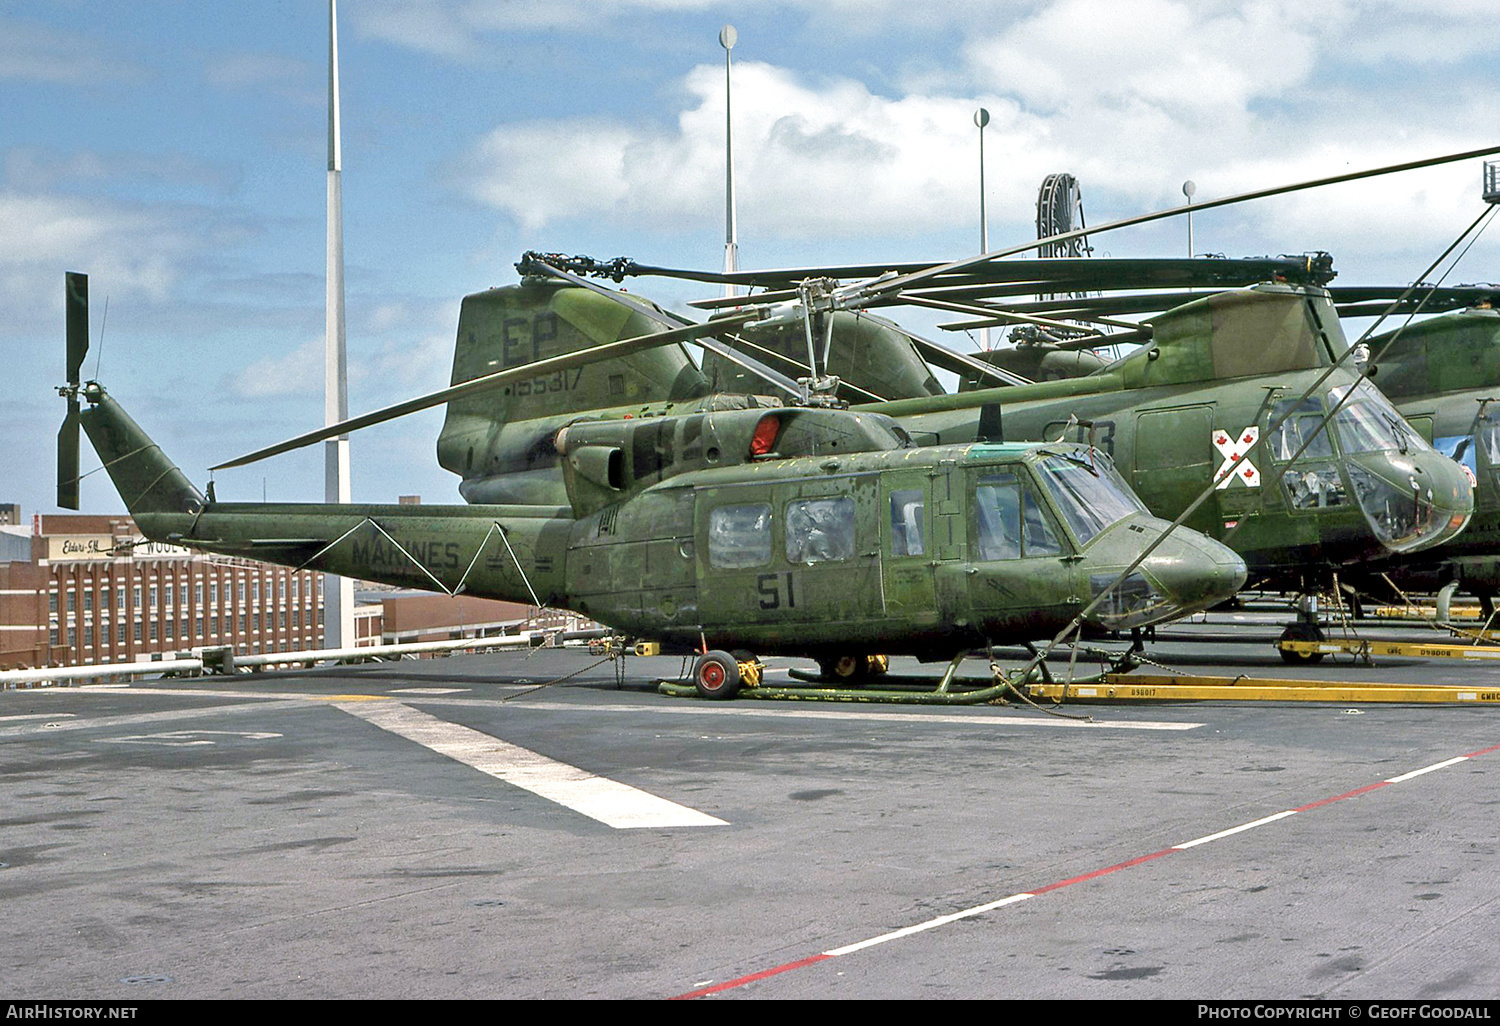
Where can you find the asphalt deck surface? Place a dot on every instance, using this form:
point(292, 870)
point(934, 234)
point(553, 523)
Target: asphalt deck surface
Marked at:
point(445, 828)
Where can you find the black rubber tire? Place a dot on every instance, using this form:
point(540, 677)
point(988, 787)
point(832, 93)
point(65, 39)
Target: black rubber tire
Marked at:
point(1301, 632)
point(845, 668)
point(716, 675)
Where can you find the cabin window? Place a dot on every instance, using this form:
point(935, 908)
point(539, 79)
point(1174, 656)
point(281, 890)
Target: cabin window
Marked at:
point(906, 523)
point(739, 536)
point(819, 530)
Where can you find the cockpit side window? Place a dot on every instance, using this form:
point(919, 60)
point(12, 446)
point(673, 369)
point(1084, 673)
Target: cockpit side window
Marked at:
point(1302, 425)
point(1009, 522)
point(997, 517)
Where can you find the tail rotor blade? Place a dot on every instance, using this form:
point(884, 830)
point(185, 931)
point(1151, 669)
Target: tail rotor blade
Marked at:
point(67, 458)
point(77, 301)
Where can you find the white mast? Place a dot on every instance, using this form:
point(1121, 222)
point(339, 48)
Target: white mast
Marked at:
point(727, 37)
point(338, 592)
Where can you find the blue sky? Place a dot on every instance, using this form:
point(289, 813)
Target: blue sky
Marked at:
point(175, 151)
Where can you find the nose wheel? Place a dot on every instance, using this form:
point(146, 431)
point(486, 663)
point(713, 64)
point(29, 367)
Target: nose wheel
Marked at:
point(1301, 631)
point(850, 668)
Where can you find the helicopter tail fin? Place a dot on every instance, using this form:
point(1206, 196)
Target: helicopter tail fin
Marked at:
point(143, 475)
point(522, 324)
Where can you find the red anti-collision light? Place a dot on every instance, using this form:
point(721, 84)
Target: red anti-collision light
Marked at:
point(765, 435)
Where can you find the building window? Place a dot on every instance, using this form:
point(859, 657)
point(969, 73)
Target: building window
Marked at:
point(52, 637)
point(153, 630)
point(138, 631)
point(153, 596)
point(198, 593)
point(88, 601)
point(120, 632)
point(136, 595)
point(72, 636)
point(52, 601)
point(72, 601)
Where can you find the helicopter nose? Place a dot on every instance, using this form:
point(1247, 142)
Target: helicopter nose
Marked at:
point(1195, 571)
point(1186, 573)
point(1412, 501)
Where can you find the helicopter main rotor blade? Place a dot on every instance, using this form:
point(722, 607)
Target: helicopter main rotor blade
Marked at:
point(898, 282)
point(955, 362)
point(552, 365)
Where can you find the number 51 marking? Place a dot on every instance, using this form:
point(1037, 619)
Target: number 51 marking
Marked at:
point(768, 587)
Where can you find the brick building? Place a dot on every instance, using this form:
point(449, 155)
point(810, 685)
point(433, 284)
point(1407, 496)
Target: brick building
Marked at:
point(90, 589)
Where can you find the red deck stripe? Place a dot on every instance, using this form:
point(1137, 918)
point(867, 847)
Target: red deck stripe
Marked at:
point(1341, 797)
point(742, 980)
point(1102, 872)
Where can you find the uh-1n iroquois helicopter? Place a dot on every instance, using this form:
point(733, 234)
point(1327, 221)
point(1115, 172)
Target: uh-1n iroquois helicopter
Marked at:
point(806, 530)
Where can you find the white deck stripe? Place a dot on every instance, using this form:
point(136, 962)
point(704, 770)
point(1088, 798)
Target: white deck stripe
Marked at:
point(916, 717)
point(1428, 769)
point(907, 931)
point(608, 801)
point(1234, 830)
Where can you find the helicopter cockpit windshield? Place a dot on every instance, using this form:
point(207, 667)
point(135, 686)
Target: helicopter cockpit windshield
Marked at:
point(1091, 495)
point(1369, 423)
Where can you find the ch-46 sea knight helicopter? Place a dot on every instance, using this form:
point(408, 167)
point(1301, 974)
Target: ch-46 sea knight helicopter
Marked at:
point(1441, 374)
point(1223, 374)
point(809, 530)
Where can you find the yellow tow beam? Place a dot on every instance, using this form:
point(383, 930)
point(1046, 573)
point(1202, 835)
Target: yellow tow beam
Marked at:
point(1418, 650)
point(1120, 687)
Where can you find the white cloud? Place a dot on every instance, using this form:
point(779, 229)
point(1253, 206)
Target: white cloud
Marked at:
point(137, 251)
point(394, 352)
point(810, 159)
point(32, 52)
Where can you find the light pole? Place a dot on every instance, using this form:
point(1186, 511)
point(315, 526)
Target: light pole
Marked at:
point(1188, 188)
point(982, 118)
